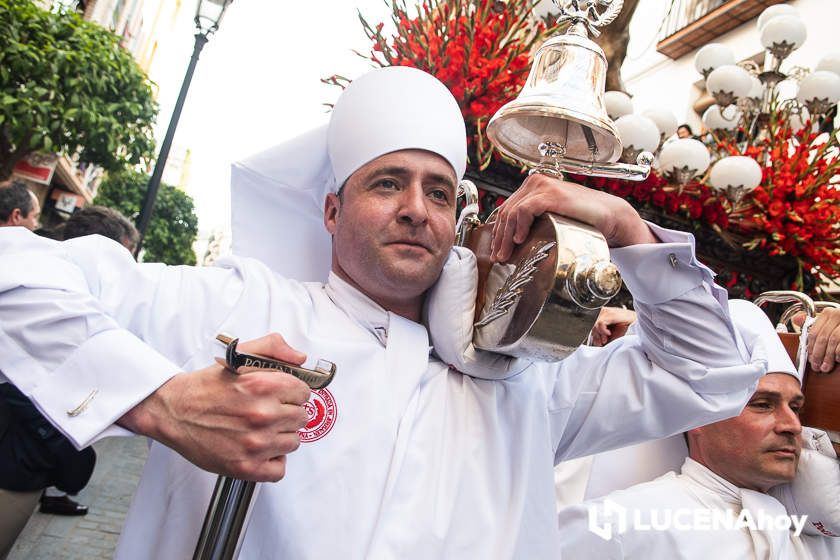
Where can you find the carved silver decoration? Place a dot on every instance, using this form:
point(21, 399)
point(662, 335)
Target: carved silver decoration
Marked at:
point(724, 99)
point(681, 175)
point(631, 153)
point(511, 290)
point(819, 107)
point(735, 193)
point(781, 51)
point(469, 215)
point(586, 12)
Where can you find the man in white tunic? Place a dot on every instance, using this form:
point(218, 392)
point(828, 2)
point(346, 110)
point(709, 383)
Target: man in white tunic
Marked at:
point(401, 456)
point(718, 502)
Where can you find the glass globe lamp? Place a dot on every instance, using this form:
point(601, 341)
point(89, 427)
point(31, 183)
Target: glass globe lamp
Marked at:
point(728, 83)
point(617, 104)
point(684, 159)
point(735, 176)
point(638, 134)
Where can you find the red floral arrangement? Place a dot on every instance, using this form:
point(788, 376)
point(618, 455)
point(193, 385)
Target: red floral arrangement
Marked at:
point(481, 50)
point(794, 211)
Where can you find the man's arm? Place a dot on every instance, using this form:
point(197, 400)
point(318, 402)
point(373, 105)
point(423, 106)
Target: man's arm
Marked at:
point(237, 425)
point(685, 367)
point(614, 217)
point(77, 317)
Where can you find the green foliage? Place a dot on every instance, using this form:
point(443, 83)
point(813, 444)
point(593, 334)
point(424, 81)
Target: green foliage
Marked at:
point(67, 85)
point(174, 225)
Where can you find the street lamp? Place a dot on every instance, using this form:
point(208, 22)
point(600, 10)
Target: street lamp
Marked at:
point(208, 16)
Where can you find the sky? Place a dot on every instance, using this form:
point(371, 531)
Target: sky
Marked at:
point(256, 84)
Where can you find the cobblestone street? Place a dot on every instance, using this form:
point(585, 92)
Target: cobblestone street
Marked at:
point(108, 495)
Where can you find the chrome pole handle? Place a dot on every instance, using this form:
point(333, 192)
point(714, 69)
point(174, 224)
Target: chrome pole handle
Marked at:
point(791, 311)
point(802, 301)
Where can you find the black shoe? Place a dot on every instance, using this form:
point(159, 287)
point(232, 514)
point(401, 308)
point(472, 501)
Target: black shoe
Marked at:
point(61, 505)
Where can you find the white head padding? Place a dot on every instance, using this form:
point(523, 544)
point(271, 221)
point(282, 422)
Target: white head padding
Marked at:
point(756, 329)
point(277, 196)
point(390, 109)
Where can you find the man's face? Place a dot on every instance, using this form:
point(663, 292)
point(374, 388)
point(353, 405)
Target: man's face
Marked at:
point(32, 220)
point(394, 224)
point(759, 448)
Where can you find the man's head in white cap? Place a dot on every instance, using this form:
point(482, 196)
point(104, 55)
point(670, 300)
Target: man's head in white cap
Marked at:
point(759, 448)
point(397, 147)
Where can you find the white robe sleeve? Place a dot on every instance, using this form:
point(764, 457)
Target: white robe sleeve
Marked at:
point(80, 318)
point(685, 367)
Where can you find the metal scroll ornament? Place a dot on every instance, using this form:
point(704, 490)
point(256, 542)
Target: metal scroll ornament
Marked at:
point(586, 12)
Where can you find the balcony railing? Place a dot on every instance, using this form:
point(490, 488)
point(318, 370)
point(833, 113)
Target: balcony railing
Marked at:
point(690, 24)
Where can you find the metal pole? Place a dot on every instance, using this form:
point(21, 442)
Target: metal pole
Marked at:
point(154, 183)
point(226, 519)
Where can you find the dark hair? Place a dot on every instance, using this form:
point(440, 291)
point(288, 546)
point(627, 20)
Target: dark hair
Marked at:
point(687, 127)
point(102, 220)
point(12, 196)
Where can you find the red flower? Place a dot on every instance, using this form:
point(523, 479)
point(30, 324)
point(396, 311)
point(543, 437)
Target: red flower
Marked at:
point(623, 189)
point(695, 209)
point(641, 191)
point(658, 198)
point(776, 208)
point(760, 195)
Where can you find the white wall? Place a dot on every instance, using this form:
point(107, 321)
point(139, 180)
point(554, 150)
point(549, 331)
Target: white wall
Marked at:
point(655, 80)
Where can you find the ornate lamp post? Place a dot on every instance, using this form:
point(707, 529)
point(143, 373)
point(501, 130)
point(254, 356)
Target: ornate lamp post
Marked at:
point(208, 16)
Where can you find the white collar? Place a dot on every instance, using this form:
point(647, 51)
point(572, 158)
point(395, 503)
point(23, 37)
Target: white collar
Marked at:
point(359, 307)
point(703, 476)
point(767, 542)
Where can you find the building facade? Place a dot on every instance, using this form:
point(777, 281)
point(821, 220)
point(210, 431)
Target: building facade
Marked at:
point(666, 34)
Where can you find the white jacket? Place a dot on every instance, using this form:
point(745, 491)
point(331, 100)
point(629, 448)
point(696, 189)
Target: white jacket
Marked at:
point(418, 461)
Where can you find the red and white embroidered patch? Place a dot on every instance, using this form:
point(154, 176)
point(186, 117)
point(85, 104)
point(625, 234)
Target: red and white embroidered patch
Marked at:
point(322, 412)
